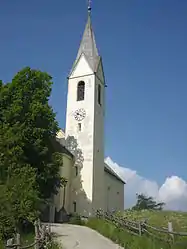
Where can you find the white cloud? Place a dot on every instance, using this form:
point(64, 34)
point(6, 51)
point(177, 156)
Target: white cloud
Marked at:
point(173, 191)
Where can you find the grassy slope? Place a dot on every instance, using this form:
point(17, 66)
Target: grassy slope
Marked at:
point(158, 219)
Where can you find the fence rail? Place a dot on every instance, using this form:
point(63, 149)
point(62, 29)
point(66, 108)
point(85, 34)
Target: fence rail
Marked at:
point(140, 228)
point(42, 238)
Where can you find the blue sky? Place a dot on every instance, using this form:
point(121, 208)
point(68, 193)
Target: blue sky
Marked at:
point(143, 45)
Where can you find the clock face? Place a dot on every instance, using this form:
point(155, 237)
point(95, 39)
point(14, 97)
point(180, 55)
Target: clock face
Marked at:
point(80, 114)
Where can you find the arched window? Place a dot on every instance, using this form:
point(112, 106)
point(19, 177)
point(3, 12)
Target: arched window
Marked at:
point(74, 207)
point(76, 171)
point(80, 90)
point(99, 95)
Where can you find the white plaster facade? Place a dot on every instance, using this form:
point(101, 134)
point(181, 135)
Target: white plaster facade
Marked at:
point(91, 184)
point(114, 191)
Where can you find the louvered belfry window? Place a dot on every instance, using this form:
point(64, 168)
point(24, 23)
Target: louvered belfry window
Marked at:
point(80, 90)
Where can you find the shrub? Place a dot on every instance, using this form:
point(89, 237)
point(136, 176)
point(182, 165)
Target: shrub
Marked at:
point(76, 220)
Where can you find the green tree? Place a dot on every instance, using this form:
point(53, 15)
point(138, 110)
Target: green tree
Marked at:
point(145, 202)
point(28, 129)
point(19, 200)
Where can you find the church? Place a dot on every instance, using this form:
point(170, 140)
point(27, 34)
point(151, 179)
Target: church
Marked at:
point(91, 183)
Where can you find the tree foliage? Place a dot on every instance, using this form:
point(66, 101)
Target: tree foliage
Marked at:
point(29, 162)
point(28, 129)
point(144, 202)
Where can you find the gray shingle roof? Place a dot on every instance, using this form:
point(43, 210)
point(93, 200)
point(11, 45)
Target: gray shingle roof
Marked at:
point(109, 170)
point(88, 47)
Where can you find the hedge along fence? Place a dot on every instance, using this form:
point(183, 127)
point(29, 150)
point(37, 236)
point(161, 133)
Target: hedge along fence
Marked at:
point(143, 228)
point(43, 238)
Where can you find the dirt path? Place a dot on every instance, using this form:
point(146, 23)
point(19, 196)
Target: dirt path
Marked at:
point(80, 237)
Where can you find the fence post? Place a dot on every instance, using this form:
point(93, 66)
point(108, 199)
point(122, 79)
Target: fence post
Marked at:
point(170, 229)
point(140, 229)
point(97, 213)
point(18, 240)
point(49, 228)
point(36, 228)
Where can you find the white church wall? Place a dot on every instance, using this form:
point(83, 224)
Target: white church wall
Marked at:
point(98, 174)
point(114, 193)
point(63, 198)
point(85, 136)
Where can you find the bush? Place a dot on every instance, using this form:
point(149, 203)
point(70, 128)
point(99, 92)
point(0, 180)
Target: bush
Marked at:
point(76, 220)
point(54, 245)
point(19, 201)
point(7, 228)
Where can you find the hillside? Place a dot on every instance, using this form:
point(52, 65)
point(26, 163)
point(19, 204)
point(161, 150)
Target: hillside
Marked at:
point(159, 218)
point(127, 229)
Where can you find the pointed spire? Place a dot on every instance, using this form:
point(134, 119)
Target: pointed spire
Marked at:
point(88, 44)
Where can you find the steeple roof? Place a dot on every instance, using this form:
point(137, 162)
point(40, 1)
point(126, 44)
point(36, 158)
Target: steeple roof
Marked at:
point(88, 46)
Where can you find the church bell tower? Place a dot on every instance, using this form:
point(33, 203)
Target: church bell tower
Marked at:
point(85, 123)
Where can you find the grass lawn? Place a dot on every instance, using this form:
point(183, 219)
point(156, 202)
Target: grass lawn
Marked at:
point(155, 218)
point(27, 239)
point(160, 218)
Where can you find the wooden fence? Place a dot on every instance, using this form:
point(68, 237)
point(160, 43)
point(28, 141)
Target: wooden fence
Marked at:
point(42, 238)
point(140, 228)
